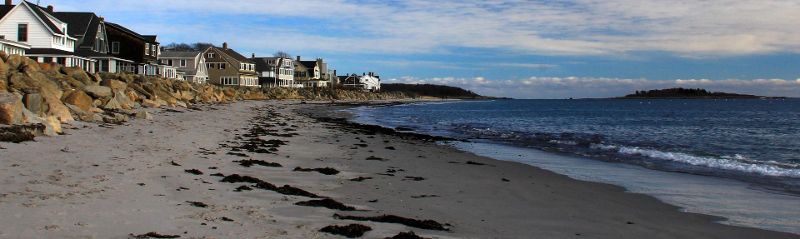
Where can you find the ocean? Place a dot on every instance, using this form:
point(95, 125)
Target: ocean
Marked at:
point(738, 159)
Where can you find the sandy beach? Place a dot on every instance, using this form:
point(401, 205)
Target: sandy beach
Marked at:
point(240, 170)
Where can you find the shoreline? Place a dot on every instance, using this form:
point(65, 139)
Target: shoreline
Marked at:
point(75, 186)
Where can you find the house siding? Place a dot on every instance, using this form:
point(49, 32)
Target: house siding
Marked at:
point(39, 36)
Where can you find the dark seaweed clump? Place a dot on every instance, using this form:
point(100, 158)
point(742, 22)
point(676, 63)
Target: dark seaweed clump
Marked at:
point(421, 224)
point(250, 162)
point(326, 203)
point(406, 235)
point(326, 171)
point(261, 184)
point(153, 235)
point(349, 231)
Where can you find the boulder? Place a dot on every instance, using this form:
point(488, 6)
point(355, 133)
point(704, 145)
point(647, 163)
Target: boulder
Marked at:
point(181, 104)
point(143, 114)
point(115, 85)
point(52, 126)
point(124, 101)
point(115, 118)
point(35, 103)
point(83, 115)
point(80, 99)
point(78, 74)
point(98, 92)
point(112, 104)
point(19, 133)
point(150, 103)
point(10, 108)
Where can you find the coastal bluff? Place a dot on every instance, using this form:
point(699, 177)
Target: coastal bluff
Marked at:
point(36, 98)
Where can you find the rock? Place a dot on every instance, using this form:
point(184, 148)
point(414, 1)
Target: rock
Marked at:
point(97, 91)
point(115, 118)
point(79, 74)
point(83, 115)
point(19, 133)
point(124, 101)
point(144, 115)
point(21, 63)
point(115, 85)
point(150, 103)
point(10, 108)
point(80, 99)
point(181, 104)
point(35, 103)
point(112, 104)
point(162, 102)
point(52, 126)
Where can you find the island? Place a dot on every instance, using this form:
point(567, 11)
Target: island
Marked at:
point(684, 93)
point(433, 91)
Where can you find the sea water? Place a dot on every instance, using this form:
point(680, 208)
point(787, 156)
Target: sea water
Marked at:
point(738, 159)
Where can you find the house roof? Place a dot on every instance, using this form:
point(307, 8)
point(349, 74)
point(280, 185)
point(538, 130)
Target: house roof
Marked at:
point(237, 56)
point(177, 54)
point(81, 24)
point(309, 64)
point(125, 30)
point(151, 38)
point(42, 13)
point(262, 63)
point(5, 9)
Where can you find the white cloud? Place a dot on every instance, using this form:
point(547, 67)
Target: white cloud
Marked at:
point(593, 87)
point(579, 27)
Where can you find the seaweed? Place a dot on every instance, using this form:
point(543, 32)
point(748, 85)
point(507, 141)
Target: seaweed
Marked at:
point(198, 204)
point(359, 179)
point(349, 231)
point(373, 158)
point(250, 162)
point(326, 171)
point(326, 203)
point(153, 235)
point(421, 224)
point(406, 235)
point(261, 184)
point(194, 171)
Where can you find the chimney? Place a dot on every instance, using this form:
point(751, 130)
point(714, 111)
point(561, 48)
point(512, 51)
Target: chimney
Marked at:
point(102, 19)
point(298, 58)
point(50, 8)
point(9, 2)
point(254, 55)
point(225, 46)
point(334, 73)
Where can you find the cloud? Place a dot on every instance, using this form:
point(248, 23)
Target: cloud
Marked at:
point(595, 87)
point(579, 27)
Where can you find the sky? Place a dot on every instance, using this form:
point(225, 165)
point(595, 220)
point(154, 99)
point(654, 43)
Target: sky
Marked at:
point(511, 48)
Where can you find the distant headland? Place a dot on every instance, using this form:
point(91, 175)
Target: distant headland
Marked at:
point(683, 93)
point(433, 91)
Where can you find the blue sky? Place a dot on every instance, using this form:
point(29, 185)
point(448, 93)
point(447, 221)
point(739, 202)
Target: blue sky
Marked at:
point(523, 49)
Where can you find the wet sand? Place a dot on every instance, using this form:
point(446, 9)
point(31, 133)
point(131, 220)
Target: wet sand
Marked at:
point(239, 171)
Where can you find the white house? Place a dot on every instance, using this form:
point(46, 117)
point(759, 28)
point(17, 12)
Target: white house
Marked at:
point(367, 81)
point(190, 64)
point(47, 35)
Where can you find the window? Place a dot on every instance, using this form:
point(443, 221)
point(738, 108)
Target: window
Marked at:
point(147, 49)
point(183, 63)
point(210, 55)
point(115, 47)
point(169, 62)
point(22, 32)
point(222, 65)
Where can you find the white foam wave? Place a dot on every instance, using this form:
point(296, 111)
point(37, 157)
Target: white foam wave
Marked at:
point(727, 163)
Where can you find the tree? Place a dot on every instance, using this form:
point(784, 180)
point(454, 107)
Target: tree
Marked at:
point(282, 54)
point(199, 46)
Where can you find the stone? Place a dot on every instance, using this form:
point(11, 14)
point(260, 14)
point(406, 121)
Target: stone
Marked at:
point(98, 92)
point(78, 74)
point(19, 133)
point(115, 85)
point(80, 99)
point(124, 101)
point(35, 103)
point(143, 114)
point(115, 118)
point(181, 104)
point(112, 104)
point(52, 126)
point(83, 115)
point(10, 108)
point(150, 104)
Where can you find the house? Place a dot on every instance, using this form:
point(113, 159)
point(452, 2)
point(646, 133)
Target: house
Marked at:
point(228, 67)
point(310, 73)
point(46, 34)
point(191, 65)
point(275, 71)
point(92, 40)
point(141, 50)
point(366, 81)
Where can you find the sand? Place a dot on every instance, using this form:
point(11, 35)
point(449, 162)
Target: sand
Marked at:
point(113, 181)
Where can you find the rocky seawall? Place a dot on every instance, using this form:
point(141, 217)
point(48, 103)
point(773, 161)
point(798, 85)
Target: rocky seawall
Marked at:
point(36, 98)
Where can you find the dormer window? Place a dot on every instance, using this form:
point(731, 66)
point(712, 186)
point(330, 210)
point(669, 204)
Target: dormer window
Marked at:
point(210, 55)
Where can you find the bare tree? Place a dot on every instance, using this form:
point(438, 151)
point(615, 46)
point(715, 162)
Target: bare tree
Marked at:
point(282, 54)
